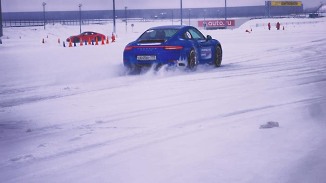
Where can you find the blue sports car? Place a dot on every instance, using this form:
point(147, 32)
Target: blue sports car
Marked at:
point(182, 46)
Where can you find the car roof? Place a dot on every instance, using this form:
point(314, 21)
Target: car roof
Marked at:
point(170, 27)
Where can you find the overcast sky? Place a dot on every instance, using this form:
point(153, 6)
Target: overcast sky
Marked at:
point(71, 5)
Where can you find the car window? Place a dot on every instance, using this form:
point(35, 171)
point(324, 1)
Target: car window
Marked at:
point(157, 34)
point(170, 32)
point(196, 34)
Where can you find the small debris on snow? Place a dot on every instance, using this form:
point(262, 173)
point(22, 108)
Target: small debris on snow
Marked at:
point(41, 145)
point(28, 130)
point(270, 124)
point(99, 121)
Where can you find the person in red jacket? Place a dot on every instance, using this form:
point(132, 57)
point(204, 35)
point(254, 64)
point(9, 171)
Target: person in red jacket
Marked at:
point(278, 25)
point(269, 26)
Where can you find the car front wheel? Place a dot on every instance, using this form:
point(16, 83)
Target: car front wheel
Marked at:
point(218, 57)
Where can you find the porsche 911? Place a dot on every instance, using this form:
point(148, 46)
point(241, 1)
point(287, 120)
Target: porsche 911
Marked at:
point(181, 46)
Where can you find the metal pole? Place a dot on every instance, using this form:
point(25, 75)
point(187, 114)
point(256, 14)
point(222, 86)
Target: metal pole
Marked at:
point(225, 16)
point(269, 9)
point(181, 11)
point(114, 28)
point(172, 17)
point(80, 18)
point(44, 14)
point(126, 17)
point(205, 19)
point(1, 31)
point(189, 16)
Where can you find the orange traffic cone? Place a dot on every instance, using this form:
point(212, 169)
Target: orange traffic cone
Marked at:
point(89, 41)
point(107, 39)
point(113, 38)
point(96, 41)
point(70, 43)
point(102, 41)
point(81, 42)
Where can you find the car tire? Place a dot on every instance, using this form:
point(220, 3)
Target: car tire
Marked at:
point(192, 60)
point(218, 56)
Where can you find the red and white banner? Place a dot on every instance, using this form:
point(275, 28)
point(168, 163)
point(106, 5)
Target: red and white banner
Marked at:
point(216, 23)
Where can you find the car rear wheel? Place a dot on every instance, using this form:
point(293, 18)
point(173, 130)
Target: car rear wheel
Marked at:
point(218, 56)
point(192, 60)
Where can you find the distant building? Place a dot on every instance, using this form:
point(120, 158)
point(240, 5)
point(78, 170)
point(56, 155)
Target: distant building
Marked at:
point(280, 8)
point(271, 8)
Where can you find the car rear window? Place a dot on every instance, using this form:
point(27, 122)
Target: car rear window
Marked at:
point(157, 35)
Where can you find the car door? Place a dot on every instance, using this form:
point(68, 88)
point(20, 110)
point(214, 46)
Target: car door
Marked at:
point(84, 36)
point(205, 47)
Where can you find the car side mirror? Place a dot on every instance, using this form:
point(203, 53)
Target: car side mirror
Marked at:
point(209, 37)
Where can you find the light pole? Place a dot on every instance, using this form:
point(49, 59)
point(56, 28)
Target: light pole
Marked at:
point(189, 16)
point(114, 29)
point(204, 15)
point(126, 17)
point(80, 18)
point(43, 4)
point(172, 16)
point(181, 11)
point(1, 31)
point(225, 16)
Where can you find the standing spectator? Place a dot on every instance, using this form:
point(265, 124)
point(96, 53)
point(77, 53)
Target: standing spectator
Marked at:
point(269, 26)
point(278, 25)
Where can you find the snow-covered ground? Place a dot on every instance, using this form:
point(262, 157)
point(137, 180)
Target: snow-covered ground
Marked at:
point(73, 115)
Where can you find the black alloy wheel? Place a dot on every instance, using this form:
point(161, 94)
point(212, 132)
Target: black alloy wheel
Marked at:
point(192, 60)
point(218, 56)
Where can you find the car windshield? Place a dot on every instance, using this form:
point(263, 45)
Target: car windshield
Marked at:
point(157, 35)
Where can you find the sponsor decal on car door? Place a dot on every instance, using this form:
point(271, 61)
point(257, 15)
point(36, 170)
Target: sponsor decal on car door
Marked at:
point(206, 52)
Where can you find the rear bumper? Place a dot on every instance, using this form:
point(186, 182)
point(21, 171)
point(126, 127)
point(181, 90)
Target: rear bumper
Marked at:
point(162, 57)
point(172, 62)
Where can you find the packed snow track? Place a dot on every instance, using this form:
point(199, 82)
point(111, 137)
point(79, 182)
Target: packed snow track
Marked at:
point(73, 115)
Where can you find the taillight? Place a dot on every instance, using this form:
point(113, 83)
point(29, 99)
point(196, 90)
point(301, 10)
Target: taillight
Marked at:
point(173, 47)
point(128, 48)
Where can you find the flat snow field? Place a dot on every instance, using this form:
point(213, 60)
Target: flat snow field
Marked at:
point(73, 115)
